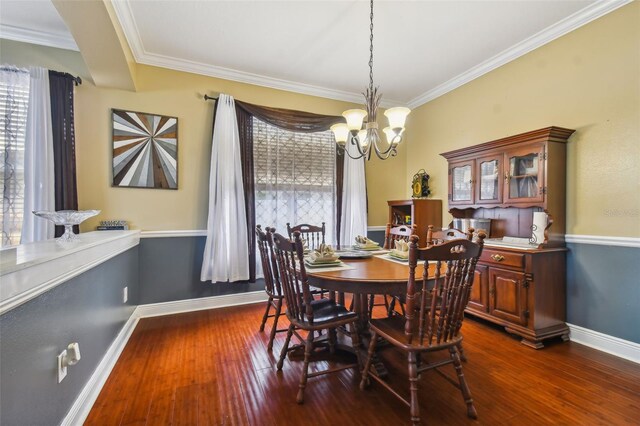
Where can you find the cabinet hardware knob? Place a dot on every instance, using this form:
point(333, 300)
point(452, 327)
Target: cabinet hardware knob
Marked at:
point(497, 257)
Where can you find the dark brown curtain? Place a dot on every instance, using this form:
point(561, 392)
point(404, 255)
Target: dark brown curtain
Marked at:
point(64, 149)
point(291, 120)
point(245, 129)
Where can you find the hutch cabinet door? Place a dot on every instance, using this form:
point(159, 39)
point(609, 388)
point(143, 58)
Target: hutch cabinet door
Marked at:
point(524, 175)
point(479, 296)
point(461, 188)
point(489, 179)
point(508, 295)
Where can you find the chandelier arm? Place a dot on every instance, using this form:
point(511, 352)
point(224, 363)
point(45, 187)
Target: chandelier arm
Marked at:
point(361, 152)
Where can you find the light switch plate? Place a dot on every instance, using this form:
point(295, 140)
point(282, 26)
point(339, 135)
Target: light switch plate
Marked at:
point(125, 294)
point(62, 370)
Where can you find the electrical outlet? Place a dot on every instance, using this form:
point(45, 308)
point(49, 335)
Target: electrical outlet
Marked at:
point(62, 369)
point(125, 294)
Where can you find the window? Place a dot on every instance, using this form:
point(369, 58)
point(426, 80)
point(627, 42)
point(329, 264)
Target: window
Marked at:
point(14, 101)
point(295, 179)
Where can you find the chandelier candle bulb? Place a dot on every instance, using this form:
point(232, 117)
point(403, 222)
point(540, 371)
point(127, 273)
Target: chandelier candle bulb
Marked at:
point(341, 133)
point(354, 118)
point(397, 117)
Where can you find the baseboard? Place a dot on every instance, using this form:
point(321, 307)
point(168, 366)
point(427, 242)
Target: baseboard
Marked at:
point(83, 403)
point(190, 305)
point(605, 343)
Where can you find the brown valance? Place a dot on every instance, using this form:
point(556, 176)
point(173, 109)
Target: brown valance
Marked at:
point(287, 119)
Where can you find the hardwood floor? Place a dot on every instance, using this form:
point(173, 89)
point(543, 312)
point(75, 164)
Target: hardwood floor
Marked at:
point(212, 368)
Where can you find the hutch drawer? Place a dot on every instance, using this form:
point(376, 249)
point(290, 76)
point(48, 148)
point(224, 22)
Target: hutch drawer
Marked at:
point(502, 258)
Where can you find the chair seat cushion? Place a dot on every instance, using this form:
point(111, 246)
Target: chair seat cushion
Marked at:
point(327, 311)
point(392, 329)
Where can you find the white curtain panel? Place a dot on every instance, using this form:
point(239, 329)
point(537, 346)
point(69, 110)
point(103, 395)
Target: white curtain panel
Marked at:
point(38, 159)
point(354, 200)
point(226, 253)
point(14, 103)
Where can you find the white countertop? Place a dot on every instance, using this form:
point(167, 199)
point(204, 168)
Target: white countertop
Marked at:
point(30, 269)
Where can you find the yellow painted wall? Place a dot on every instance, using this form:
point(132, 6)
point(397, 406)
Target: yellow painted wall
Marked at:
point(587, 80)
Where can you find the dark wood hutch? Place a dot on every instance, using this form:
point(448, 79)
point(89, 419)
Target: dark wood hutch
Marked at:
point(507, 180)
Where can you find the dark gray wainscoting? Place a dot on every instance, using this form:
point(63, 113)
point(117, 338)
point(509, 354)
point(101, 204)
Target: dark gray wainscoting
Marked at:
point(602, 289)
point(170, 270)
point(87, 309)
point(377, 236)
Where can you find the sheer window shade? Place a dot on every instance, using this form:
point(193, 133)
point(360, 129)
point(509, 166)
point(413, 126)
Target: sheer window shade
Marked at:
point(14, 102)
point(295, 177)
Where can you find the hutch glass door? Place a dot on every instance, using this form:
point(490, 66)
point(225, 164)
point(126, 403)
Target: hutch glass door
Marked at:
point(461, 183)
point(524, 175)
point(489, 184)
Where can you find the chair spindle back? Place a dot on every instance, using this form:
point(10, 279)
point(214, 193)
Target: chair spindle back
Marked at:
point(435, 237)
point(312, 234)
point(269, 267)
point(293, 277)
point(393, 234)
point(436, 318)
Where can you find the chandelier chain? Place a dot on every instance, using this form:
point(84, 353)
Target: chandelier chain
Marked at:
point(371, 49)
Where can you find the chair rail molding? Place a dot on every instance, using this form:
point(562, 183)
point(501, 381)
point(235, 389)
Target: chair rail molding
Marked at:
point(603, 240)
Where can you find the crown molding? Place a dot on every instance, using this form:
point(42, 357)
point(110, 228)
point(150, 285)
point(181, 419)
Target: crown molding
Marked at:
point(43, 38)
point(557, 30)
point(128, 23)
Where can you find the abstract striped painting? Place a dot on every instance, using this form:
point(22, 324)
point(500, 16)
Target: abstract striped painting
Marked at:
point(145, 150)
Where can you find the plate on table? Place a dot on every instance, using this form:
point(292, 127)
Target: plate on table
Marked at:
point(354, 254)
point(325, 264)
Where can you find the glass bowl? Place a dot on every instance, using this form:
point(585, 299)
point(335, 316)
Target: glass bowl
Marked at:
point(67, 218)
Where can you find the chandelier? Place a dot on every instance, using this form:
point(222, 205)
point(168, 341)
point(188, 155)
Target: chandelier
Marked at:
point(364, 139)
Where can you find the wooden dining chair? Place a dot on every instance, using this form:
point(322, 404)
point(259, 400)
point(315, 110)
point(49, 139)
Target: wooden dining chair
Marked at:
point(271, 282)
point(433, 317)
point(435, 237)
point(306, 313)
point(313, 235)
point(395, 233)
point(391, 235)
point(439, 236)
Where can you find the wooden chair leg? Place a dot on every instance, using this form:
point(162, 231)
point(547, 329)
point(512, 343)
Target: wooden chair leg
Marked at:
point(285, 347)
point(463, 357)
point(386, 302)
point(372, 299)
point(308, 347)
point(266, 313)
point(413, 387)
point(355, 342)
point(464, 388)
point(274, 328)
point(367, 365)
point(392, 307)
point(333, 340)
